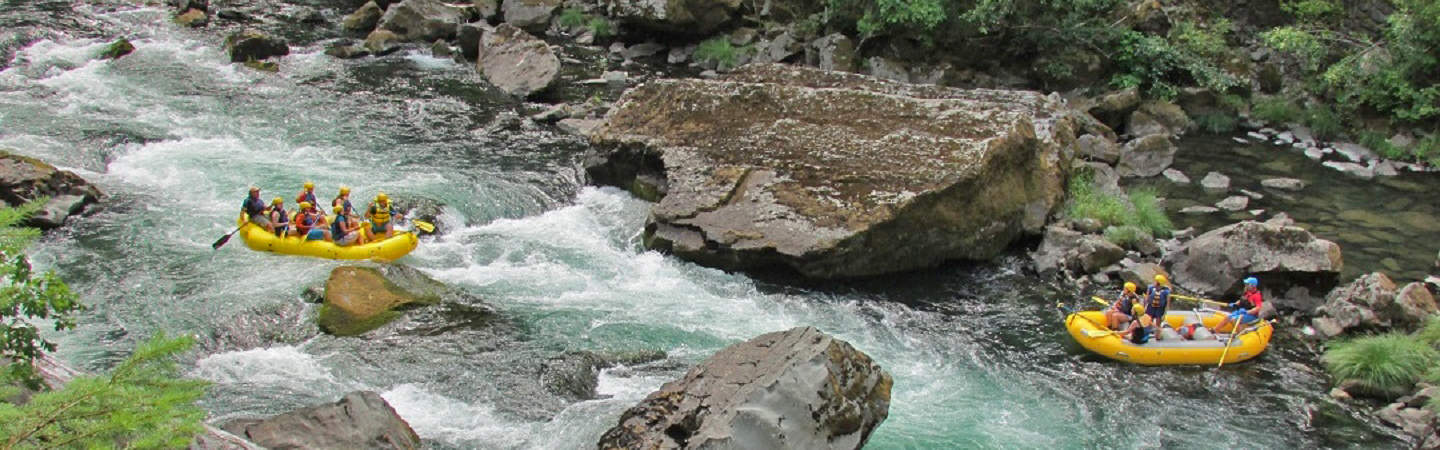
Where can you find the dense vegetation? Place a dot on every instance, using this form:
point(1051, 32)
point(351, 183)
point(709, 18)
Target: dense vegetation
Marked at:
point(1356, 82)
point(142, 403)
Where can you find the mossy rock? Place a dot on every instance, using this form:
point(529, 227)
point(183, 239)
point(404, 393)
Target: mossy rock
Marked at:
point(263, 66)
point(115, 50)
point(360, 299)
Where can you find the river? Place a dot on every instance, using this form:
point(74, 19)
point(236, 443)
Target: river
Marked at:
point(173, 133)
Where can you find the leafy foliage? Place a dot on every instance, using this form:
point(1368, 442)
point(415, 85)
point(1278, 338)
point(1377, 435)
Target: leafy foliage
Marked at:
point(141, 404)
point(1387, 363)
point(571, 17)
point(1217, 122)
point(600, 27)
point(1275, 110)
point(27, 296)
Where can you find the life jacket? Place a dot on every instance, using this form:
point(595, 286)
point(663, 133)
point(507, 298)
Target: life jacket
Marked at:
point(1141, 335)
point(347, 202)
point(337, 231)
point(306, 221)
point(1157, 298)
point(379, 215)
point(253, 206)
point(284, 217)
point(1126, 303)
point(1250, 300)
point(307, 196)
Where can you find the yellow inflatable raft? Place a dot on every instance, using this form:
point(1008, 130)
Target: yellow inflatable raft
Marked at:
point(1088, 328)
point(386, 250)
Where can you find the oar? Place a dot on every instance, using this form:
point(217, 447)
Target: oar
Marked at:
point(1197, 299)
point(1234, 331)
point(1100, 300)
point(225, 238)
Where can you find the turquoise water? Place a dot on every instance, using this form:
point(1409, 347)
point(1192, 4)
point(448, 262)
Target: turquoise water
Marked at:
point(173, 133)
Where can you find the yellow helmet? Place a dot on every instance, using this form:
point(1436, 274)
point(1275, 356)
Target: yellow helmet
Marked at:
point(277, 201)
point(344, 190)
point(309, 185)
point(1160, 279)
point(304, 205)
point(382, 198)
point(1129, 287)
point(339, 209)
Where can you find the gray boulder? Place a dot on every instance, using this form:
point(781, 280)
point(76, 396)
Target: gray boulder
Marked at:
point(785, 166)
point(1213, 263)
point(1147, 156)
point(382, 42)
point(1097, 148)
point(23, 179)
point(421, 20)
point(529, 15)
point(1284, 184)
point(1364, 302)
point(1414, 303)
point(1215, 181)
point(835, 52)
point(1355, 169)
point(254, 45)
point(776, 50)
point(468, 36)
point(886, 68)
point(681, 17)
point(487, 9)
point(1233, 203)
point(1176, 176)
point(1157, 117)
point(359, 420)
point(1113, 107)
point(1064, 249)
point(363, 20)
point(793, 389)
point(516, 62)
point(1414, 421)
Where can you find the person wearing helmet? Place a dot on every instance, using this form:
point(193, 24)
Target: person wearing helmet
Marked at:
point(346, 229)
point(1157, 300)
point(253, 208)
point(382, 215)
point(280, 219)
point(307, 194)
point(343, 199)
point(311, 224)
point(1140, 330)
point(1246, 310)
point(1122, 311)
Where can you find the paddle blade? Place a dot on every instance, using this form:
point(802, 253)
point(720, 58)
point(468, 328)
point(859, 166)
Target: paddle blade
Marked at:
point(221, 242)
point(1100, 301)
point(424, 226)
point(1097, 333)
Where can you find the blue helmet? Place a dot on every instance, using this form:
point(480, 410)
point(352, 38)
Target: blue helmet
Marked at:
point(1251, 281)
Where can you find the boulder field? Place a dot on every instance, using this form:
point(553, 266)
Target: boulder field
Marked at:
point(834, 174)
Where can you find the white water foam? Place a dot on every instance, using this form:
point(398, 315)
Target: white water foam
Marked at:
point(280, 365)
point(445, 419)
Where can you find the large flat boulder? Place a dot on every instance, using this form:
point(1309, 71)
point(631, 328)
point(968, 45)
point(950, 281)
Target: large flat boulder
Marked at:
point(683, 17)
point(421, 20)
point(793, 389)
point(516, 62)
point(359, 299)
point(833, 174)
point(1282, 255)
point(361, 419)
point(530, 15)
point(23, 179)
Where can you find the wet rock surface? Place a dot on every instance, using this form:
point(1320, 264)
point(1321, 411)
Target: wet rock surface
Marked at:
point(359, 420)
point(787, 166)
point(793, 389)
point(1214, 263)
point(516, 62)
point(23, 179)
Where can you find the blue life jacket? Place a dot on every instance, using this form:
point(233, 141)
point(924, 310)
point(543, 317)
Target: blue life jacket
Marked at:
point(284, 217)
point(336, 232)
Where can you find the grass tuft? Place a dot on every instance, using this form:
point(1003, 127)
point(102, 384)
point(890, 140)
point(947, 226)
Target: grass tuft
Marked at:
point(717, 50)
point(1127, 218)
point(1430, 333)
point(571, 17)
point(1275, 110)
point(1387, 364)
point(1217, 122)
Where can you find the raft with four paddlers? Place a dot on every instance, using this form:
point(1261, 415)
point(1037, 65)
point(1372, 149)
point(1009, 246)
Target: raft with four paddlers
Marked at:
point(387, 249)
point(1088, 329)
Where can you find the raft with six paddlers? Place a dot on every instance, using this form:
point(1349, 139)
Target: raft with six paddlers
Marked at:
point(309, 232)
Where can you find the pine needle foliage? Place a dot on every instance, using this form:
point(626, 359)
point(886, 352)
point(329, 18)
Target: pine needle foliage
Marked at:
point(26, 296)
point(142, 404)
point(1387, 364)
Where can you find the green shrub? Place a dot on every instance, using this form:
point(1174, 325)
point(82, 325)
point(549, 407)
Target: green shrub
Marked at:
point(571, 17)
point(717, 50)
point(1275, 110)
point(27, 297)
point(1135, 215)
point(1387, 364)
point(1126, 235)
point(1148, 214)
point(1430, 333)
point(600, 27)
point(1216, 122)
point(1380, 143)
point(1324, 122)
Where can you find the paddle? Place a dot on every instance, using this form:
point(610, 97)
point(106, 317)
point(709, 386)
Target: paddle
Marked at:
point(424, 226)
point(1199, 300)
point(1234, 331)
point(225, 238)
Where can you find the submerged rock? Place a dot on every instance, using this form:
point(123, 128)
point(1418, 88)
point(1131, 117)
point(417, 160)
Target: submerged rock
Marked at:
point(1214, 263)
point(254, 45)
point(361, 419)
point(1284, 184)
point(360, 299)
point(115, 50)
point(421, 20)
point(788, 166)
point(516, 62)
point(23, 179)
point(793, 389)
